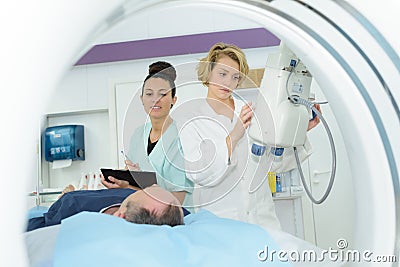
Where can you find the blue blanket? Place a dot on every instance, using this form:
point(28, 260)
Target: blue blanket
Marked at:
point(93, 239)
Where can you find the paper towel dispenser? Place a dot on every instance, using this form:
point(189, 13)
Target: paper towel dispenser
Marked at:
point(64, 142)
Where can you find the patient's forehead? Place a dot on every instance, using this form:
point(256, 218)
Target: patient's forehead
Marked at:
point(161, 195)
point(153, 197)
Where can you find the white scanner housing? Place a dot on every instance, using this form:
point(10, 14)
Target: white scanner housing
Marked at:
point(279, 122)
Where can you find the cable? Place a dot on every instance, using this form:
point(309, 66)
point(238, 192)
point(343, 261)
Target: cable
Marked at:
point(292, 69)
point(298, 100)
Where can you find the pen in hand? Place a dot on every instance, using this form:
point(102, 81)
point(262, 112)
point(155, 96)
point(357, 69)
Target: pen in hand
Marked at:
point(125, 156)
point(129, 164)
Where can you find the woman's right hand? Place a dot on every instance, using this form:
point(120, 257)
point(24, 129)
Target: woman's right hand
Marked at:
point(242, 123)
point(240, 127)
point(129, 165)
point(115, 183)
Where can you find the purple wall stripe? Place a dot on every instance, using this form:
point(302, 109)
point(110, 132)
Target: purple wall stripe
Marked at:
point(177, 45)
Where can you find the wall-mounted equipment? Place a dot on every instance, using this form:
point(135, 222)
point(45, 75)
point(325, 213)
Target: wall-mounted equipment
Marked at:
point(64, 142)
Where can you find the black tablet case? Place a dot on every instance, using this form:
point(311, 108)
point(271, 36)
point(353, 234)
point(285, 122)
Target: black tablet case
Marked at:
point(141, 179)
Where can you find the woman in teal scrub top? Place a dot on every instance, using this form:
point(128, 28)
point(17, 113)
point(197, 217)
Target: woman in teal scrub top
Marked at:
point(155, 146)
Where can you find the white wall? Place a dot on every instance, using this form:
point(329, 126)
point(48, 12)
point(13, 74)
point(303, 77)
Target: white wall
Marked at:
point(174, 21)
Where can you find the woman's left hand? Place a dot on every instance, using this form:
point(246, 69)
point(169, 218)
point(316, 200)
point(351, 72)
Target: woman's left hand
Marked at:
point(314, 122)
point(115, 183)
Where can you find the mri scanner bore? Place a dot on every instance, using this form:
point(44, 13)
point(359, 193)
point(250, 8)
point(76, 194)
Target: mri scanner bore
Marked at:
point(363, 72)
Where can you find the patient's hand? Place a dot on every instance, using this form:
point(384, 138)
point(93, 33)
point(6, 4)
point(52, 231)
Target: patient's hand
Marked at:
point(115, 183)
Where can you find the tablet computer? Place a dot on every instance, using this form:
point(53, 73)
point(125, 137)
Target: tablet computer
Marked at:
point(141, 179)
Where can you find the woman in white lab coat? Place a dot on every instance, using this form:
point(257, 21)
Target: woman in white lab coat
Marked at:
point(155, 146)
point(216, 146)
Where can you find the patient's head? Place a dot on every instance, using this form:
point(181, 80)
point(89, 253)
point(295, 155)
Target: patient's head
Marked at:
point(153, 205)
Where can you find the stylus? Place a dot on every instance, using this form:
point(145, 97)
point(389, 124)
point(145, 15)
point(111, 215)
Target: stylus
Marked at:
point(125, 156)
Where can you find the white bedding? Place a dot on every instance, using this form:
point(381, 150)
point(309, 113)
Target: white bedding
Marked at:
point(40, 245)
point(93, 239)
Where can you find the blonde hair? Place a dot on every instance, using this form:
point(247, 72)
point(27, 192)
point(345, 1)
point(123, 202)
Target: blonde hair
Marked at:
point(217, 51)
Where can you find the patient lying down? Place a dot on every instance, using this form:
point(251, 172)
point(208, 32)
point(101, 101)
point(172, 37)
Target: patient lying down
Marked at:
point(153, 205)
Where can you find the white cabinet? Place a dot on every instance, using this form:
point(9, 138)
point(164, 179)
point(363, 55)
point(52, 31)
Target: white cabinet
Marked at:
point(290, 214)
